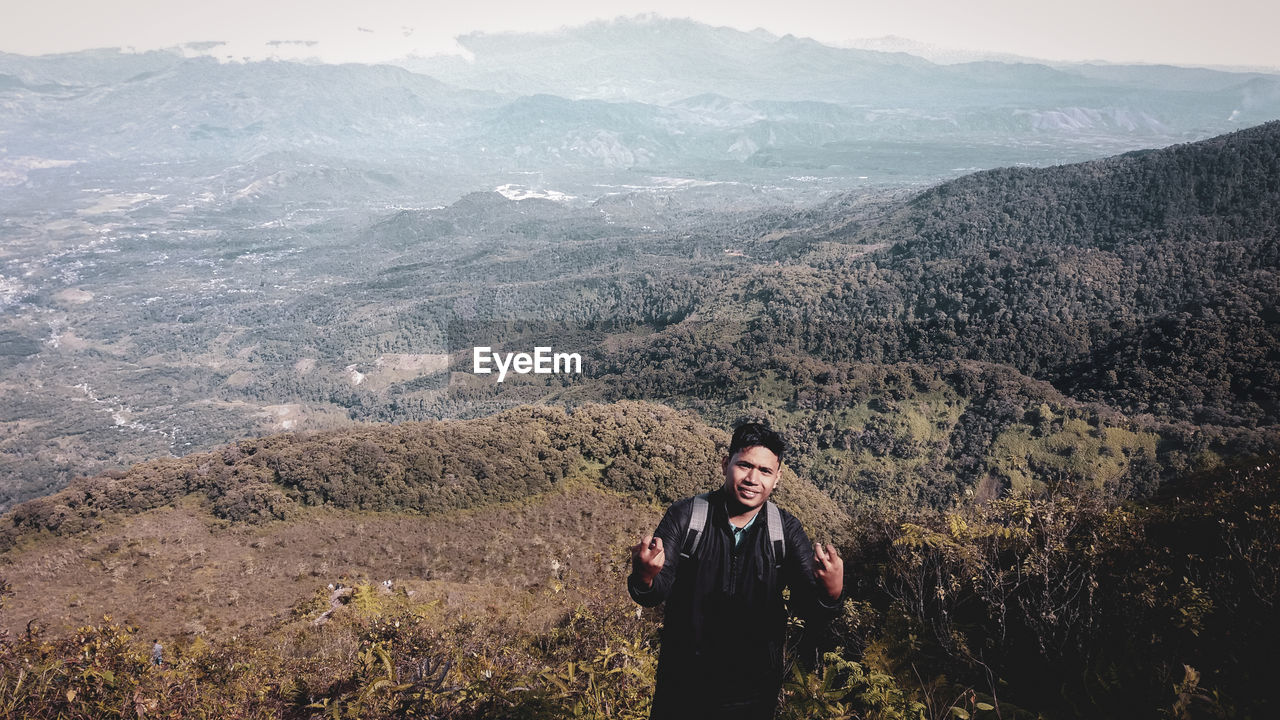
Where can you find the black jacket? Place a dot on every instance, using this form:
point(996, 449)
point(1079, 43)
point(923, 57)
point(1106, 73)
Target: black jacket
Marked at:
point(725, 618)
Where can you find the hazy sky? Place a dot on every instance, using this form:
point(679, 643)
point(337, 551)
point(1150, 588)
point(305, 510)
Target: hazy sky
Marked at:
point(1223, 32)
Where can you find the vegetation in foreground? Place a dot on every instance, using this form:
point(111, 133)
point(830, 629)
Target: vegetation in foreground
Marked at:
point(1054, 605)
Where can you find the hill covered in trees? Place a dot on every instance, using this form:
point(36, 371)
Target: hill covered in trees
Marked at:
point(649, 452)
point(1147, 281)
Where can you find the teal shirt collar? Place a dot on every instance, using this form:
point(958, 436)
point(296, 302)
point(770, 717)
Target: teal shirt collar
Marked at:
point(740, 532)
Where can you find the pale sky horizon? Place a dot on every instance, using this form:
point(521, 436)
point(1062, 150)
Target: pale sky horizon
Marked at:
point(1237, 33)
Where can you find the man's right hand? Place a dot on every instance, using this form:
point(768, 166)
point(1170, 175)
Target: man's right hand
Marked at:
point(647, 559)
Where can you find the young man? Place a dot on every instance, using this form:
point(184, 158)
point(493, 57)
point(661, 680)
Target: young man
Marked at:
point(725, 618)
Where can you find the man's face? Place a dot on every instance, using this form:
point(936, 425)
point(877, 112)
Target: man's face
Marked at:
point(751, 475)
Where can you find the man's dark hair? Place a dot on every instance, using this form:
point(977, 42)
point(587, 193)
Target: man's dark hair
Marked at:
point(752, 434)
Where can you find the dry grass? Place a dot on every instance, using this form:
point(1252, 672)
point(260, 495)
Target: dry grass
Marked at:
point(177, 571)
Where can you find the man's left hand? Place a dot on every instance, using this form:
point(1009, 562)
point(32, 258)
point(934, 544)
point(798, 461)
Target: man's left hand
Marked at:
point(828, 568)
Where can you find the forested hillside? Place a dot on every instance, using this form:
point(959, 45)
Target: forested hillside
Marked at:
point(1146, 281)
point(649, 452)
point(976, 336)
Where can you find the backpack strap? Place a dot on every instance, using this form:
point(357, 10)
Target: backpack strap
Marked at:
point(777, 541)
point(697, 525)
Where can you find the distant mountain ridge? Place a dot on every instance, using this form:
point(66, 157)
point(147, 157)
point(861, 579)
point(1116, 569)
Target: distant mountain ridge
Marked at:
point(663, 60)
point(810, 106)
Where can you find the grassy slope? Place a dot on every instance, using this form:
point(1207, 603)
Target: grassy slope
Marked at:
point(179, 569)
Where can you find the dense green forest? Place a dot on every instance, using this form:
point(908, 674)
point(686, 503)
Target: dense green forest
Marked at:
point(1146, 281)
